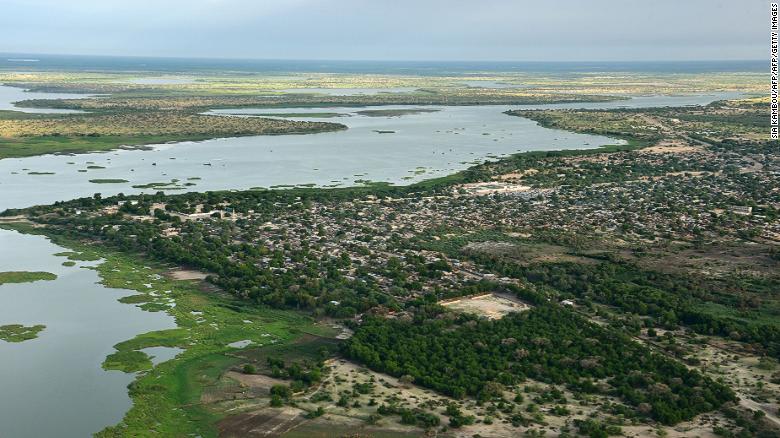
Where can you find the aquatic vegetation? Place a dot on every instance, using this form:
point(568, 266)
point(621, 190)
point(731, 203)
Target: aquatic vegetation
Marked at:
point(108, 181)
point(165, 396)
point(87, 256)
point(25, 276)
point(128, 361)
point(19, 332)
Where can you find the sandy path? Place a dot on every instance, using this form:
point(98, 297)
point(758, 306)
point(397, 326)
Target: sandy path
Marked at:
point(750, 404)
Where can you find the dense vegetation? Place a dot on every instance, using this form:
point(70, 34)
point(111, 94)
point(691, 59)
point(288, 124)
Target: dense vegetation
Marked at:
point(671, 300)
point(461, 355)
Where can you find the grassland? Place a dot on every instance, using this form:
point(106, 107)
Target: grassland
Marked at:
point(206, 102)
point(736, 119)
point(81, 133)
point(19, 333)
point(163, 123)
point(134, 114)
point(25, 277)
point(237, 83)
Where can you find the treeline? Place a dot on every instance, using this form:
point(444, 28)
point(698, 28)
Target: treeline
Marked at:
point(242, 201)
point(671, 300)
point(461, 355)
point(282, 275)
point(235, 267)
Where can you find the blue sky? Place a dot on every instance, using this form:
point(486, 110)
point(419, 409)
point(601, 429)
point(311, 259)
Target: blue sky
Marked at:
point(552, 30)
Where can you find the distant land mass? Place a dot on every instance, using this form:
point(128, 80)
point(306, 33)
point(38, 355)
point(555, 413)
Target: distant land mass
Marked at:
point(15, 61)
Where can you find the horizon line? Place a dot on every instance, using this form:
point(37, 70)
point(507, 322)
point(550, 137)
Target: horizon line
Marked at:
point(212, 58)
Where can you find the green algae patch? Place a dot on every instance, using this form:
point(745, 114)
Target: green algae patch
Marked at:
point(25, 276)
point(127, 361)
point(108, 181)
point(19, 332)
point(82, 256)
point(135, 299)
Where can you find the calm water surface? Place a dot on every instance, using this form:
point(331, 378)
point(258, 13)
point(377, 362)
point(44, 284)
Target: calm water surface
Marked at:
point(9, 95)
point(54, 386)
point(400, 150)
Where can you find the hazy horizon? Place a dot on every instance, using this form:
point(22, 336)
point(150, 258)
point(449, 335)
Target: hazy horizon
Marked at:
point(395, 60)
point(400, 30)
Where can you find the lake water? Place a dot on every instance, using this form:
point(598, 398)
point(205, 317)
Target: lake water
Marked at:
point(54, 386)
point(9, 95)
point(420, 146)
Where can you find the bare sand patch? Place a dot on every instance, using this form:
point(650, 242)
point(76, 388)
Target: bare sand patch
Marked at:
point(256, 381)
point(492, 305)
point(268, 422)
point(517, 175)
point(488, 188)
point(672, 147)
point(187, 274)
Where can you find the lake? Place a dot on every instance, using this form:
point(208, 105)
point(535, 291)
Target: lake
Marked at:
point(9, 95)
point(399, 150)
point(54, 385)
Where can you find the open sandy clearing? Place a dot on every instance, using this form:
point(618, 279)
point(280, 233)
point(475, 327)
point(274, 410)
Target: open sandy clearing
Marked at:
point(492, 305)
point(187, 274)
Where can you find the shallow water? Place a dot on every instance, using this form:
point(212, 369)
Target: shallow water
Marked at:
point(419, 147)
point(437, 143)
point(9, 95)
point(54, 385)
point(159, 355)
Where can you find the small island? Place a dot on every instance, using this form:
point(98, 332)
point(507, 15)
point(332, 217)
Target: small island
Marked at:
point(108, 181)
point(19, 332)
point(25, 276)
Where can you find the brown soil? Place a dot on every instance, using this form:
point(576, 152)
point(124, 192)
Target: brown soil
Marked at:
point(268, 422)
point(187, 274)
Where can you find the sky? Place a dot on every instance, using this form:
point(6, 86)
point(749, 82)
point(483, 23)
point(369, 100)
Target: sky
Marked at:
point(476, 30)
